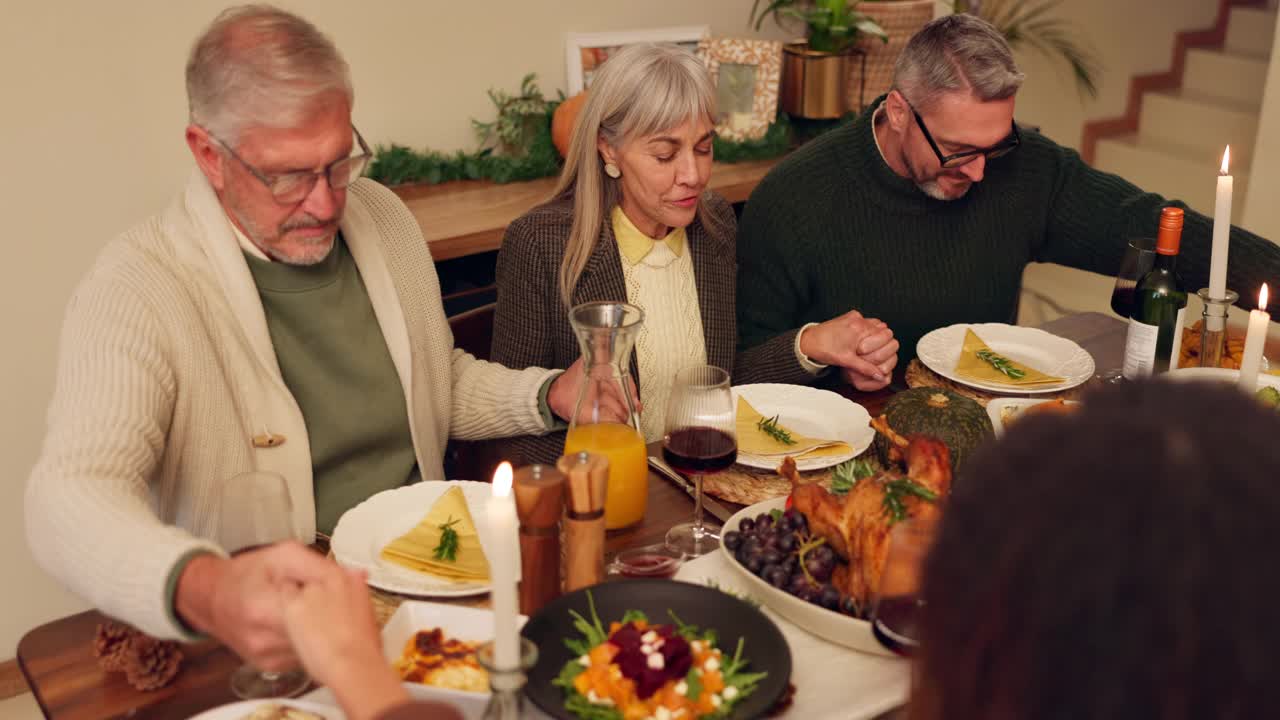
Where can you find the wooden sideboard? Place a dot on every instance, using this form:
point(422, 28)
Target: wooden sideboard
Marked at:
point(467, 217)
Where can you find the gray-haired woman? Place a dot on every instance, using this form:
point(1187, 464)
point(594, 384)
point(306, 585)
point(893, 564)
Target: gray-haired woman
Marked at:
point(630, 220)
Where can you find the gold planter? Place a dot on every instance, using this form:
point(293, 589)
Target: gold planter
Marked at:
point(816, 84)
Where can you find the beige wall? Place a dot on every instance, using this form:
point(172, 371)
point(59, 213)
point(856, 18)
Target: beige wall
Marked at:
point(1261, 211)
point(92, 138)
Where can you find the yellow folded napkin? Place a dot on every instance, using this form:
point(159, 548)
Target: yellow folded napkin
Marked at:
point(978, 362)
point(753, 440)
point(416, 549)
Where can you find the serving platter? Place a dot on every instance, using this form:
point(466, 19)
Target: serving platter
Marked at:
point(827, 624)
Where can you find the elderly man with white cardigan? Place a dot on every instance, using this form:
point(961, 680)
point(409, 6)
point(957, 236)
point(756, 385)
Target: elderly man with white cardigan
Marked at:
point(280, 315)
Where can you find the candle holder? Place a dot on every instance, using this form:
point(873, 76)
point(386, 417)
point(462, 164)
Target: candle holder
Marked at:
point(1213, 336)
point(506, 685)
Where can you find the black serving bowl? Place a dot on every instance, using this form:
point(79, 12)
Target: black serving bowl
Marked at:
point(763, 644)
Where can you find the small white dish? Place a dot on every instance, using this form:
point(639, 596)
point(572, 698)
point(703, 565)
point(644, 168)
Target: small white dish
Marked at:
point(1006, 410)
point(241, 710)
point(812, 412)
point(1221, 375)
point(473, 625)
point(365, 529)
point(939, 350)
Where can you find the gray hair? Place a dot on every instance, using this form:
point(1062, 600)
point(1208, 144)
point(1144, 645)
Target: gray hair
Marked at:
point(953, 53)
point(259, 65)
point(644, 89)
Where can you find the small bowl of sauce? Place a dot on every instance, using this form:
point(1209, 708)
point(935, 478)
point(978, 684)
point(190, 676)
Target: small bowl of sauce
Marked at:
point(650, 561)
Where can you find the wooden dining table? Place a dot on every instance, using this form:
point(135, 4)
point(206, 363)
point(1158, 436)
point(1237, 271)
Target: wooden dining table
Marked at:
point(58, 662)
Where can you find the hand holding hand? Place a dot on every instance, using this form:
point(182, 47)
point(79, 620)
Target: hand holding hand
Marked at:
point(863, 347)
point(238, 600)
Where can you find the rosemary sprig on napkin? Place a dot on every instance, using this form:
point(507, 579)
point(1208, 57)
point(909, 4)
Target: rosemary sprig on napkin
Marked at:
point(771, 428)
point(1001, 364)
point(448, 547)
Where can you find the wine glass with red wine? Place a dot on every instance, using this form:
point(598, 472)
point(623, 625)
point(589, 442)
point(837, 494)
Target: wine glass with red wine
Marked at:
point(701, 439)
point(263, 515)
point(895, 617)
point(1139, 258)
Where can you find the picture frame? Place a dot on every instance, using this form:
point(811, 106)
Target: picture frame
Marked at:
point(584, 52)
point(747, 74)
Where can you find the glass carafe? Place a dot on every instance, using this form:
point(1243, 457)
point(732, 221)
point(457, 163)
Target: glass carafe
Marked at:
point(606, 333)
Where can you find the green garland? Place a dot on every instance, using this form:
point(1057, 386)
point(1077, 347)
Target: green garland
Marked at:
point(397, 164)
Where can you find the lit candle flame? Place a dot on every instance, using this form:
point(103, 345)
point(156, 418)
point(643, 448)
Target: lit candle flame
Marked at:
point(1226, 160)
point(1262, 297)
point(502, 480)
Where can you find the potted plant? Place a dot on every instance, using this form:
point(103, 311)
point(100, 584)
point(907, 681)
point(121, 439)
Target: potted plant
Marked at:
point(817, 74)
point(1031, 24)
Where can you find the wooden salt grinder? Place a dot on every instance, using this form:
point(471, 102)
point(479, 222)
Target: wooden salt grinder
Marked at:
point(539, 491)
point(588, 478)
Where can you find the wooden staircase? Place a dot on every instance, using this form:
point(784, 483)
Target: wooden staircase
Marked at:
point(1171, 137)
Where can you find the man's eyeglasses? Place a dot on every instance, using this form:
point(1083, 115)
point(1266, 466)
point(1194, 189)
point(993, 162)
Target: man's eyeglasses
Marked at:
point(295, 186)
point(964, 158)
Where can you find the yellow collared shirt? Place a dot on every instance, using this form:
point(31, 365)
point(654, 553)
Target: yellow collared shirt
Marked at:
point(635, 245)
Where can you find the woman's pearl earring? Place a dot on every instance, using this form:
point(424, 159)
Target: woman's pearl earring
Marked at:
point(612, 171)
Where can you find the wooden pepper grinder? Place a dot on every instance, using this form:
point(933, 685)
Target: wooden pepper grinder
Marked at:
point(588, 478)
point(539, 491)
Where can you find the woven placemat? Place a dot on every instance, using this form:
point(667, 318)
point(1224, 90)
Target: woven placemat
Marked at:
point(920, 376)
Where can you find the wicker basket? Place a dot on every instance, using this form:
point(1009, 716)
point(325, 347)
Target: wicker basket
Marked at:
point(900, 19)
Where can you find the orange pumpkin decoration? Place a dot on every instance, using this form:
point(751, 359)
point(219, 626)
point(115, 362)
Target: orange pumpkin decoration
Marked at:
point(563, 121)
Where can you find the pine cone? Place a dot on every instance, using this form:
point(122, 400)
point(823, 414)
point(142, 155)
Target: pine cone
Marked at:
point(151, 664)
point(109, 644)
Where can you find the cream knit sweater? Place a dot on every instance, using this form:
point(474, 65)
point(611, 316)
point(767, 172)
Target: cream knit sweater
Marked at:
point(166, 375)
point(662, 284)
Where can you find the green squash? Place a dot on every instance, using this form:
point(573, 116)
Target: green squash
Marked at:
point(957, 421)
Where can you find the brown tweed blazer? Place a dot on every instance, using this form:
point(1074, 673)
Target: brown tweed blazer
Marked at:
point(531, 324)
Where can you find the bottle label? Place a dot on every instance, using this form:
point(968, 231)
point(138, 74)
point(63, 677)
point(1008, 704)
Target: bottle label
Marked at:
point(1177, 338)
point(1140, 349)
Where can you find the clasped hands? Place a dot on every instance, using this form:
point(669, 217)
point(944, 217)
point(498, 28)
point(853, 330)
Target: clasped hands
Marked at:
point(863, 348)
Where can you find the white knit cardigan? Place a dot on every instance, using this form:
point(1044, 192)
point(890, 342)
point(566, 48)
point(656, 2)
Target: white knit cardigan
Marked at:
point(166, 373)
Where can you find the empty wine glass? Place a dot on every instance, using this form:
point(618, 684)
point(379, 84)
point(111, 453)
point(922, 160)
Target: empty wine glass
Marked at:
point(263, 515)
point(895, 617)
point(701, 438)
point(1139, 258)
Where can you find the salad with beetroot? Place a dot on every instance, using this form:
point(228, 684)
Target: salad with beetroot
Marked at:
point(641, 670)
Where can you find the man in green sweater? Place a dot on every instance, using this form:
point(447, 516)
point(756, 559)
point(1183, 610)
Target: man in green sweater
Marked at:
point(924, 211)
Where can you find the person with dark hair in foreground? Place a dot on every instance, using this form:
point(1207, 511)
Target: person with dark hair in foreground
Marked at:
point(1116, 563)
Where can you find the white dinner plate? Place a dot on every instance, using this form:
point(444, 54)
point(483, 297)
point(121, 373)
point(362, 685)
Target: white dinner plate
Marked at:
point(240, 710)
point(1222, 375)
point(365, 529)
point(808, 411)
point(827, 624)
point(939, 350)
point(1005, 409)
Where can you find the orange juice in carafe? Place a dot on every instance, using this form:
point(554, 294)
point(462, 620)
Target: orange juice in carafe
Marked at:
point(628, 490)
point(604, 419)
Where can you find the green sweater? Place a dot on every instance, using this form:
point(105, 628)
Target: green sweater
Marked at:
point(833, 228)
point(335, 361)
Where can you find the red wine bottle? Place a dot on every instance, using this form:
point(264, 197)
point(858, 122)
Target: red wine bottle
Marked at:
point(1159, 304)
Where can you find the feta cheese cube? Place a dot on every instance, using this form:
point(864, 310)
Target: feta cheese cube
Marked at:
point(682, 688)
point(584, 661)
point(711, 664)
point(646, 648)
point(715, 700)
point(730, 692)
point(656, 661)
point(661, 713)
point(649, 637)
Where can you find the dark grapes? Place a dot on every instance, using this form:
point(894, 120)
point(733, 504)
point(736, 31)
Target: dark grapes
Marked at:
point(787, 543)
point(764, 523)
point(752, 546)
point(776, 576)
point(819, 566)
point(754, 563)
point(790, 563)
point(732, 540)
point(800, 523)
point(829, 598)
point(746, 525)
point(771, 557)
